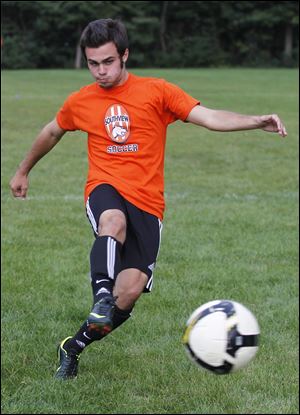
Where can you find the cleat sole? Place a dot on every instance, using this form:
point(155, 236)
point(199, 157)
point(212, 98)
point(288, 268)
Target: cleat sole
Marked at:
point(99, 328)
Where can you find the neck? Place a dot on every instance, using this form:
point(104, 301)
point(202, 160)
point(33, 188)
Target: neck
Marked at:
point(124, 77)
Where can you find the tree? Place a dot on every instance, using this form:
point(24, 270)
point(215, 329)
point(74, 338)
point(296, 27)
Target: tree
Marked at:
point(45, 34)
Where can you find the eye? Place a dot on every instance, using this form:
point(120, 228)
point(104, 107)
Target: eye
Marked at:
point(92, 63)
point(109, 62)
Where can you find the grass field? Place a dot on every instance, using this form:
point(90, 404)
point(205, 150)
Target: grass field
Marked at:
point(230, 231)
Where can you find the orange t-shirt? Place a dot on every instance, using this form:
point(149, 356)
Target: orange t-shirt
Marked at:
point(126, 128)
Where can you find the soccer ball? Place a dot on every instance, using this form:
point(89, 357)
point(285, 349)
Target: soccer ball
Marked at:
point(221, 336)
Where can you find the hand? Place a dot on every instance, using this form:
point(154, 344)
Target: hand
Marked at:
point(273, 124)
point(19, 185)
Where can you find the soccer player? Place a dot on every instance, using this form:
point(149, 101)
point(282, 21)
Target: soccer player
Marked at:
point(126, 119)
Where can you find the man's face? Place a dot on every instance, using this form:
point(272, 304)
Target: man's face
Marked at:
point(106, 66)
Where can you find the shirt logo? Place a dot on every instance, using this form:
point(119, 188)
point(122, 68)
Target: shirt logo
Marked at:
point(117, 123)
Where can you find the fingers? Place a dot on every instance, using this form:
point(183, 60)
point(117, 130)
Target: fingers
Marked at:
point(23, 193)
point(19, 193)
point(274, 124)
point(280, 127)
point(19, 187)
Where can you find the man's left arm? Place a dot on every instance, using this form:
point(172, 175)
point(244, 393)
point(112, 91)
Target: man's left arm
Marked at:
point(219, 120)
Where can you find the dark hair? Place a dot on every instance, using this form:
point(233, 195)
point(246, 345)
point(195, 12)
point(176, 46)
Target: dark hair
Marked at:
point(102, 31)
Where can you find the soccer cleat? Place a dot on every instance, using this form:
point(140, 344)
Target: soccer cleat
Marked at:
point(68, 363)
point(100, 318)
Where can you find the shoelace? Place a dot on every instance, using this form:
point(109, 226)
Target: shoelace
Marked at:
point(105, 302)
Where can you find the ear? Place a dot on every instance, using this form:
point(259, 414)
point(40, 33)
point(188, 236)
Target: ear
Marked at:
point(125, 56)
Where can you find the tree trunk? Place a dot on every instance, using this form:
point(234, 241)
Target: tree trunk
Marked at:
point(78, 57)
point(163, 26)
point(288, 43)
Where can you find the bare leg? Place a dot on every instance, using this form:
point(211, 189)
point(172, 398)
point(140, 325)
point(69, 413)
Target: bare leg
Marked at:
point(129, 285)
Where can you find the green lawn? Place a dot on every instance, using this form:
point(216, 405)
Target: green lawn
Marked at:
point(230, 232)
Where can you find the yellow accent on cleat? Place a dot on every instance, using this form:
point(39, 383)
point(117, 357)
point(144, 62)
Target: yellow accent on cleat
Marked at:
point(96, 315)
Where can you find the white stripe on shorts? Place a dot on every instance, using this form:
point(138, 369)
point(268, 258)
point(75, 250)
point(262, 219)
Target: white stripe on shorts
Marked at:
point(91, 216)
point(152, 266)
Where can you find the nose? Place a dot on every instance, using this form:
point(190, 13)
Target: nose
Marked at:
point(101, 70)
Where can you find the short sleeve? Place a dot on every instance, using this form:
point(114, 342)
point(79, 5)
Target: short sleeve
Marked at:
point(65, 117)
point(178, 102)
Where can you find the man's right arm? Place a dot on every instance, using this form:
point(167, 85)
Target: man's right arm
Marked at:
point(45, 141)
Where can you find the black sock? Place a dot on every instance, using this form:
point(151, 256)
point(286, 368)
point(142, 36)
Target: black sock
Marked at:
point(120, 316)
point(81, 339)
point(101, 288)
point(84, 338)
point(105, 260)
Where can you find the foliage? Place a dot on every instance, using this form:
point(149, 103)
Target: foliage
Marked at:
point(44, 34)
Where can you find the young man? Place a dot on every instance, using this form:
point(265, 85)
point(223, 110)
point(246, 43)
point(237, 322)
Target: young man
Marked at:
point(126, 118)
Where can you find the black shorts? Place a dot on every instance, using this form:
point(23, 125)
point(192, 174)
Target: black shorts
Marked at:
point(141, 247)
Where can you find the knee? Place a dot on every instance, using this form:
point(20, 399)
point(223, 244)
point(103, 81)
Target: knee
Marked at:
point(113, 223)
